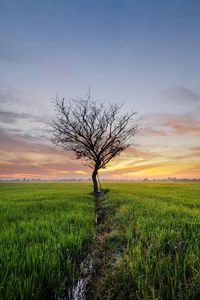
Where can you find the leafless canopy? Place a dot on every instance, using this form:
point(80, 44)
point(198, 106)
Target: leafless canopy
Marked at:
point(93, 131)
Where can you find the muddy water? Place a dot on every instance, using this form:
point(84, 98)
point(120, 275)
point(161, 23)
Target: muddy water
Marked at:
point(79, 289)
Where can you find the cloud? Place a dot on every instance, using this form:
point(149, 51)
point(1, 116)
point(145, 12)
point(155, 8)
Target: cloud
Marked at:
point(18, 116)
point(26, 143)
point(9, 95)
point(139, 153)
point(195, 113)
point(40, 170)
point(195, 151)
point(182, 125)
point(192, 172)
point(152, 132)
point(24, 157)
point(167, 124)
point(13, 117)
point(183, 95)
point(81, 172)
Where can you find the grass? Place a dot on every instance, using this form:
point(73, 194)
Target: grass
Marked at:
point(154, 242)
point(44, 231)
point(151, 238)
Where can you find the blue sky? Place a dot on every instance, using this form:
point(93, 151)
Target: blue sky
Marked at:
point(142, 53)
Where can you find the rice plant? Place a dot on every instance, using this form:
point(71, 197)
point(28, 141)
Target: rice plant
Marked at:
point(44, 232)
point(158, 251)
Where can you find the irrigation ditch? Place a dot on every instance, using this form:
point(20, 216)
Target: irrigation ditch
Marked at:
point(100, 254)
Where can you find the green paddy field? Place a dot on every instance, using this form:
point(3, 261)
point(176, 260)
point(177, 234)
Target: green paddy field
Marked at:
point(153, 240)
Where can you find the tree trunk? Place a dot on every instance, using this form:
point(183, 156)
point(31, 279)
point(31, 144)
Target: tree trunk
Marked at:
point(95, 183)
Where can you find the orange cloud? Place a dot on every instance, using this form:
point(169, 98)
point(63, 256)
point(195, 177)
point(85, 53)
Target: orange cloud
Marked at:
point(162, 150)
point(167, 124)
point(183, 125)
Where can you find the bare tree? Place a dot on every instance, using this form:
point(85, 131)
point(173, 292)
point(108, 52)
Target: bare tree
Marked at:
point(93, 131)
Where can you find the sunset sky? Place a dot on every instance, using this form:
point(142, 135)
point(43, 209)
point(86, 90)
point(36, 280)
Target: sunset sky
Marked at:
point(145, 54)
